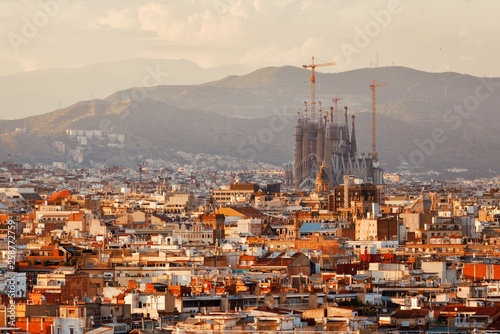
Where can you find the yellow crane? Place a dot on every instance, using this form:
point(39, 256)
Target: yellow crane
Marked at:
point(373, 87)
point(312, 66)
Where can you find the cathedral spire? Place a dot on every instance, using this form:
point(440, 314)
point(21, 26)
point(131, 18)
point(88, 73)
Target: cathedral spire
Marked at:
point(347, 149)
point(353, 139)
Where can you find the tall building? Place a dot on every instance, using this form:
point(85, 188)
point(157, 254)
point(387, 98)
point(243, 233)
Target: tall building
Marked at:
point(325, 141)
point(360, 198)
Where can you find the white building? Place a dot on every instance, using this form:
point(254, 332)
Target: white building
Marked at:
point(149, 304)
point(446, 275)
point(383, 272)
point(246, 227)
point(15, 282)
point(71, 320)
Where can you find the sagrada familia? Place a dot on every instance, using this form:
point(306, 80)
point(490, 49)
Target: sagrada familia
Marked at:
point(327, 141)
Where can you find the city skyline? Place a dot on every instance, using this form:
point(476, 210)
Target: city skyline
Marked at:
point(162, 169)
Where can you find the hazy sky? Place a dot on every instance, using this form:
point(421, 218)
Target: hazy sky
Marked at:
point(460, 36)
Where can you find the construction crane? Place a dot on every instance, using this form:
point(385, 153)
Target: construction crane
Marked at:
point(336, 110)
point(312, 66)
point(373, 87)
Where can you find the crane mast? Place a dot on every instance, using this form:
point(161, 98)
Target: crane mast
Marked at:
point(373, 87)
point(312, 66)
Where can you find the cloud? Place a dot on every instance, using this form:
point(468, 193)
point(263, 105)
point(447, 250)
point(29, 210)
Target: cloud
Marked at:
point(256, 32)
point(120, 19)
point(280, 55)
point(194, 25)
point(465, 31)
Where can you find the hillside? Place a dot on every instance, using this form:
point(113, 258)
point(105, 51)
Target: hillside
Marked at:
point(54, 88)
point(426, 120)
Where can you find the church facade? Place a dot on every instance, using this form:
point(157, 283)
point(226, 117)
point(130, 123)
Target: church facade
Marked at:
point(325, 141)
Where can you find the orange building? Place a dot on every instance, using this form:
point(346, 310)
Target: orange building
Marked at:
point(481, 271)
point(327, 244)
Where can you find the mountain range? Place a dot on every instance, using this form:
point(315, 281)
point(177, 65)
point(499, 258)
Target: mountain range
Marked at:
point(425, 121)
point(52, 89)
